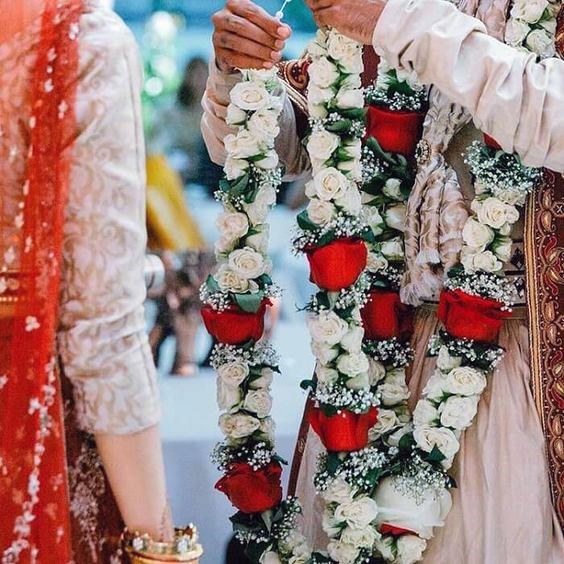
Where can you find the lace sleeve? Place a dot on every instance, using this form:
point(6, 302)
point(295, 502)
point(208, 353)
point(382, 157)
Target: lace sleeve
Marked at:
point(102, 337)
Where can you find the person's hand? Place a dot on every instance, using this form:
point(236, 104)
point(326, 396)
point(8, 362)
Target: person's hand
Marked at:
point(245, 36)
point(354, 18)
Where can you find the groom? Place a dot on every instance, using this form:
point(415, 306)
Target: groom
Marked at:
point(500, 86)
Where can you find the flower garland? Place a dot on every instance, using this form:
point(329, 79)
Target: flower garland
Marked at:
point(235, 301)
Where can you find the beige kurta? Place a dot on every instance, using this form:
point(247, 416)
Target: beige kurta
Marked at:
point(101, 338)
point(502, 509)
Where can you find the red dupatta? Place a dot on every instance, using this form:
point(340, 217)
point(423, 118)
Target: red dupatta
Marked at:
point(34, 501)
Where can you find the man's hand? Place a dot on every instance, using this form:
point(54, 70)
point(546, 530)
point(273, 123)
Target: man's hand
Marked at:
point(245, 36)
point(354, 18)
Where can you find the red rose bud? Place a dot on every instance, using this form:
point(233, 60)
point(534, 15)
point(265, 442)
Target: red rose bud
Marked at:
point(491, 142)
point(471, 317)
point(252, 491)
point(386, 529)
point(345, 431)
point(385, 317)
point(395, 131)
point(337, 265)
point(234, 326)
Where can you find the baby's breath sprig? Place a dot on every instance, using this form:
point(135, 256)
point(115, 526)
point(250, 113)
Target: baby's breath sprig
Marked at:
point(390, 352)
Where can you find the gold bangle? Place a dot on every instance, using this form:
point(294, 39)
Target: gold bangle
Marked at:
point(142, 549)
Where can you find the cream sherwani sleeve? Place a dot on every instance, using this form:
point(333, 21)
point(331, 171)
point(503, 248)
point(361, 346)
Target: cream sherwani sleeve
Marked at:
point(291, 152)
point(516, 100)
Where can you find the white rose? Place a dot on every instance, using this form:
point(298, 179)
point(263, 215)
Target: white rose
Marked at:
point(395, 217)
point(485, 261)
point(233, 373)
point(435, 387)
point(339, 492)
point(342, 552)
point(258, 210)
point(230, 281)
point(238, 426)
point(250, 96)
point(395, 438)
point(357, 514)
point(371, 216)
point(224, 246)
point(502, 248)
point(232, 225)
point(352, 169)
point(228, 397)
point(386, 547)
point(352, 341)
point(410, 77)
point(447, 362)
point(259, 402)
point(387, 420)
point(376, 262)
point(267, 427)
point(362, 538)
point(261, 75)
point(324, 353)
point(477, 235)
point(495, 213)
point(269, 161)
point(235, 168)
point(323, 72)
point(247, 263)
point(425, 414)
point(465, 381)
point(329, 184)
point(352, 64)
point(259, 240)
point(392, 189)
point(344, 50)
point(444, 439)
point(410, 549)
point(322, 144)
point(352, 81)
point(350, 201)
point(330, 526)
point(512, 197)
point(360, 382)
point(541, 43)
point(326, 375)
point(353, 364)
point(393, 249)
point(270, 557)
point(376, 371)
point(265, 380)
point(396, 376)
point(353, 149)
point(347, 99)
point(327, 327)
point(264, 123)
point(317, 111)
point(516, 31)
point(459, 412)
point(530, 11)
point(235, 115)
point(419, 515)
point(243, 145)
point(393, 393)
point(320, 96)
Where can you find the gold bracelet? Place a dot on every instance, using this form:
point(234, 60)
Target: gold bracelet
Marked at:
point(142, 549)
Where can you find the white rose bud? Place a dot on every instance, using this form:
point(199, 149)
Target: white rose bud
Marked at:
point(327, 327)
point(329, 184)
point(233, 373)
point(435, 387)
point(350, 201)
point(352, 341)
point(393, 393)
point(444, 439)
point(410, 549)
point(502, 248)
point(485, 261)
point(393, 249)
point(477, 235)
point(425, 414)
point(323, 73)
point(232, 225)
point(342, 552)
point(395, 217)
point(515, 32)
point(320, 212)
point(459, 412)
point(387, 421)
point(392, 189)
point(357, 514)
point(228, 397)
point(321, 146)
point(259, 240)
point(447, 362)
point(247, 263)
point(230, 281)
point(376, 262)
point(238, 426)
point(465, 381)
point(267, 427)
point(324, 353)
point(495, 213)
point(235, 168)
point(529, 11)
point(377, 372)
point(339, 492)
point(265, 380)
point(259, 402)
point(320, 96)
point(347, 99)
point(317, 111)
point(270, 557)
point(326, 375)
point(353, 364)
point(386, 547)
point(360, 382)
point(250, 96)
point(243, 145)
point(269, 162)
point(362, 538)
point(235, 115)
point(264, 123)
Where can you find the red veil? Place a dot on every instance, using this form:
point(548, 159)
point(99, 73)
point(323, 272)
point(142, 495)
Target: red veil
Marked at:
point(34, 498)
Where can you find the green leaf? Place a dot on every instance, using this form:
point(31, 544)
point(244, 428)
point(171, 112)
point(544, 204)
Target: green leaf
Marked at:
point(341, 126)
point(305, 223)
point(249, 302)
point(435, 455)
point(224, 185)
point(326, 239)
point(254, 551)
point(212, 284)
point(332, 463)
point(406, 442)
point(307, 385)
point(239, 187)
point(354, 113)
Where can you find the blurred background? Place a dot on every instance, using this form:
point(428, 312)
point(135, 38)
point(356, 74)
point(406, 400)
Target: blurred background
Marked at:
point(175, 41)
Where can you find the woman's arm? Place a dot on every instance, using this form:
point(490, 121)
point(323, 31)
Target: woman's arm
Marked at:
point(102, 337)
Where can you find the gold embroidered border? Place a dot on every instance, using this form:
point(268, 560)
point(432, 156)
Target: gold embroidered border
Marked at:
point(544, 252)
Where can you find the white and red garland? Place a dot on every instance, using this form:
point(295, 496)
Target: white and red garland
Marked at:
point(383, 477)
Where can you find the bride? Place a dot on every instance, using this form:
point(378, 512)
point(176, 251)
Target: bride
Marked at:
point(77, 383)
point(502, 508)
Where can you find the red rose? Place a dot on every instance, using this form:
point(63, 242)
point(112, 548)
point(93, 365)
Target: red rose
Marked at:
point(491, 142)
point(386, 529)
point(471, 317)
point(252, 491)
point(337, 265)
point(396, 132)
point(234, 326)
point(345, 431)
point(385, 316)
